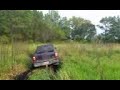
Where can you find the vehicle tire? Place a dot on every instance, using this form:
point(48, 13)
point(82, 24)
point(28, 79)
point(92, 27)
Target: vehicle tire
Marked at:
point(57, 66)
point(56, 63)
point(32, 67)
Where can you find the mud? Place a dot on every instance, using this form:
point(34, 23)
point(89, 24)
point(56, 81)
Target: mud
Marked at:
point(23, 75)
point(26, 74)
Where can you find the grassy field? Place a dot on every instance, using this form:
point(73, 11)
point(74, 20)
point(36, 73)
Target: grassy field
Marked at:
point(79, 62)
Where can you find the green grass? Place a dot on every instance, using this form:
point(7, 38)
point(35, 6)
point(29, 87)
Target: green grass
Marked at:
point(79, 62)
point(13, 60)
point(42, 74)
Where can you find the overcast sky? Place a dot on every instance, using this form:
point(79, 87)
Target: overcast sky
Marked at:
point(93, 15)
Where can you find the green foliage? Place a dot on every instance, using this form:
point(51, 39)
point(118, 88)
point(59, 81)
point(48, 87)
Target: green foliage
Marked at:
point(82, 29)
point(27, 25)
point(13, 60)
point(4, 39)
point(111, 27)
point(65, 26)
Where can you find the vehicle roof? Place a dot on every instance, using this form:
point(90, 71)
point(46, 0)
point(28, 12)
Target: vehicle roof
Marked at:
point(45, 45)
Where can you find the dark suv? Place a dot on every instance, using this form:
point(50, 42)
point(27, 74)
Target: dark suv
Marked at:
point(45, 55)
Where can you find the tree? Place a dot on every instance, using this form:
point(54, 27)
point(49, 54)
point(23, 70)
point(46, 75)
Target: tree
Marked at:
point(81, 28)
point(34, 26)
point(65, 26)
point(14, 24)
point(52, 20)
point(111, 27)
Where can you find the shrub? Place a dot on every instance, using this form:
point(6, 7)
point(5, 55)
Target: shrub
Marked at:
point(4, 39)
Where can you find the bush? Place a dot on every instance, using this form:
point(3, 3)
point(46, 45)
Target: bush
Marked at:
point(4, 39)
point(31, 41)
point(77, 38)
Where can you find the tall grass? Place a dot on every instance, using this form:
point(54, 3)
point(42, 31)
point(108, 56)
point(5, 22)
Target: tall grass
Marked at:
point(79, 61)
point(91, 62)
point(87, 62)
point(13, 59)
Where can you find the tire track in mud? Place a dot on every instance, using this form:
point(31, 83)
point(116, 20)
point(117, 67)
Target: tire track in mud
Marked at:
point(25, 75)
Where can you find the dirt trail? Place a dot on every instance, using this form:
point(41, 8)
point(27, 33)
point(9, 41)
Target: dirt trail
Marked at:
point(23, 75)
point(26, 74)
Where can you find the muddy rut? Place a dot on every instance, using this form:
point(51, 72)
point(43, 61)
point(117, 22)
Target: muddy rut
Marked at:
point(25, 75)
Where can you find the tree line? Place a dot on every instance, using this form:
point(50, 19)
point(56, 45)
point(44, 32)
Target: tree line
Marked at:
point(34, 26)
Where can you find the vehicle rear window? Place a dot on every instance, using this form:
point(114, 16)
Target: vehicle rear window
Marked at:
point(45, 48)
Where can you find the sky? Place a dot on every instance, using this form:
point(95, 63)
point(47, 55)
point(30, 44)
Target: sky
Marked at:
point(93, 15)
